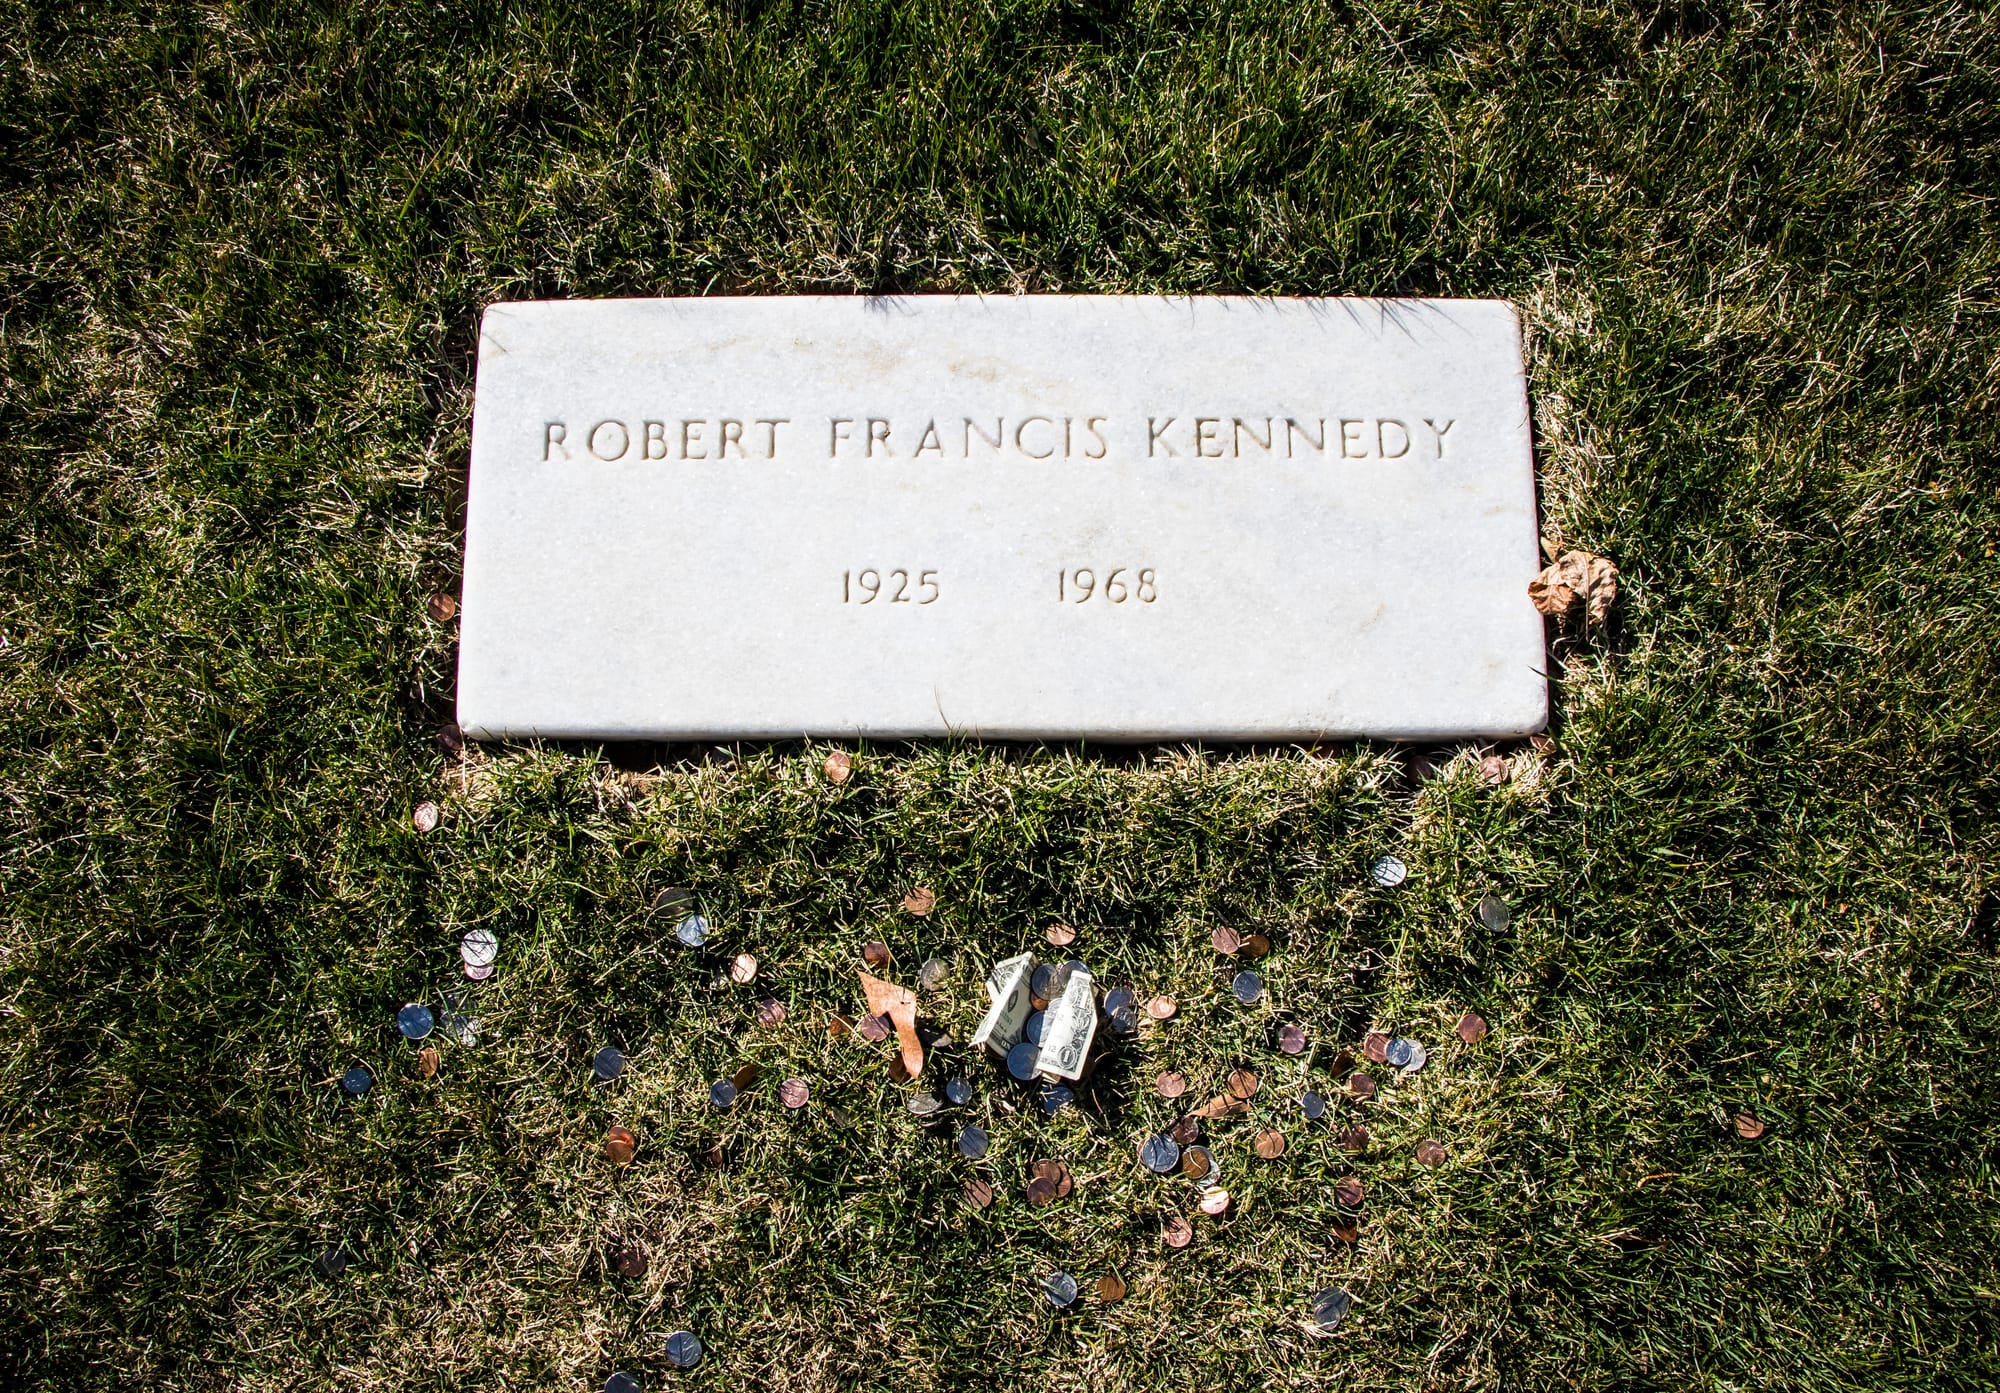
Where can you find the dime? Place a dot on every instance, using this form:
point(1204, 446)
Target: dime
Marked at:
point(1125, 1022)
point(1399, 1052)
point(920, 901)
point(1061, 935)
point(692, 931)
point(1177, 1231)
point(427, 1061)
point(1031, 1029)
point(794, 1093)
point(1160, 1155)
point(1314, 1106)
point(1243, 1084)
point(356, 1080)
point(770, 1012)
point(1361, 1086)
point(1256, 946)
point(334, 1261)
point(622, 1382)
point(478, 948)
point(1348, 1193)
point(743, 970)
point(608, 1063)
point(1430, 1153)
point(923, 1104)
point(620, 1145)
point(1059, 1288)
point(1270, 1145)
point(479, 974)
point(1749, 1126)
point(1330, 1308)
point(1213, 1203)
point(1227, 941)
point(1110, 1287)
point(1171, 1084)
point(415, 1021)
point(1185, 1129)
point(1162, 1008)
point(839, 767)
point(972, 1142)
point(1119, 999)
point(978, 1193)
point(1388, 871)
point(1414, 1057)
point(1354, 1140)
point(1292, 1039)
point(931, 974)
point(1196, 1161)
point(721, 1093)
point(441, 607)
point(1021, 1061)
point(1248, 987)
point(875, 954)
point(683, 1349)
point(1494, 913)
point(1375, 1044)
point(1056, 1097)
point(958, 1092)
point(425, 817)
point(631, 1262)
point(1471, 1028)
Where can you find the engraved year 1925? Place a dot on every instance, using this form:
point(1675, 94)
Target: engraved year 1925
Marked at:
point(1078, 585)
point(899, 586)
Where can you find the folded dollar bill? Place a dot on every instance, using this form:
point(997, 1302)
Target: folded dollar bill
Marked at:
point(1068, 1028)
point(1007, 986)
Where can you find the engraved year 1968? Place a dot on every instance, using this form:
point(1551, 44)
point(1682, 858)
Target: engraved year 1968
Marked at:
point(899, 586)
point(1079, 584)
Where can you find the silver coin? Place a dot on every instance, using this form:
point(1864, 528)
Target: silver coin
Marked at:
point(415, 1021)
point(931, 973)
point(1414, 1058)
point(1388, 871)
point(1247, 986)
point(672, 898)
point(958, 1093)
point(923, 1104)
point(1021, 1061)
point(972, 1143)
point(1059, 980)
point(1314, 1105)
point(1330, 1308)
point(1396, 1054)
point(1032, 1031)
point(683, 1349)
point(1494, 913)
point(1125, 1022)
point(608, 1063)
point(335, 1261)
point(1214, 1176)
point(356, 1080)
point(1060, 1289)
point(722, 1093)
point(1042, 979)
point(1161, 1154)
point(622, 1382)
point(692, 931)
point(1119, 999)
point(479, 948)
point(479, 974)
point(1056, 1097)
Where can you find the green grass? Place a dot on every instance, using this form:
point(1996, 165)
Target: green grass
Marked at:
point(241, 261)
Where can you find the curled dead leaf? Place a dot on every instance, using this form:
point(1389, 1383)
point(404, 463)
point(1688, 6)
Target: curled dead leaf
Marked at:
point(1576, 577)
point(899, 1004)
point(920, 901)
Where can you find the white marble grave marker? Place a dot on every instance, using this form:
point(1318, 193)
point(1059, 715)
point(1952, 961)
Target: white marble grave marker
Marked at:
point(1045, 516)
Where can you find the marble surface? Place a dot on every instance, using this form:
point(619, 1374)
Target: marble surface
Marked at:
point(1119, 518)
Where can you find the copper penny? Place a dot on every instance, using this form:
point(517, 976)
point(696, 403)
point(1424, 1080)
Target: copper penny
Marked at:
point(1749, 1126)
point(839, 767)
point(1041, 1191)
point(771, 1012)
point(1376, 1046)
point(631, 1261)
point(1354, 1140)
point(1343, 1064)
point(1214, 1203)
point(1171, 1084)
point(1196, 1161)
point(1242, 1084)
point(1493, 769)
point(920, 901)
point(876, 1028)
point(743, 970)
point(978, 1193)
point(1256, 946)
point(1361, 1086)
point(442, 607)
point(899, 1072)
point(1292, 1039)
point(1471, 1028)
point(1349, 1192)
point(1430, 1153)
point(1269, 1145)
point(620, 1145)
point(425, 817)
point(1061, 935)
point(794, 1093)
point(1185, 1130)
point(875, 954)
point(1346, 1230)
point(1162, 1008)
point(838, 1027)
point(1177, 1231)
point(1227, 942)
point(450, 739)
point(1056, 1173)
point(746, 1076)
point(427, 1062)
point(1110, 1287)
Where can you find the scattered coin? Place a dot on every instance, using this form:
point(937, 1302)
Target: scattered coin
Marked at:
point(1292, 1039)
point(1413, 1056)
point(683, 1349)
point(1430, 1153)
point(1059, 1288)
point(1125, 1022)
point(770, 1012)
point(450, 739)
point(923, 1104)
point(441, 607)
point(478, 948)
point(1361, 1086)
point(1375, 1044)
point(839, 767)
point(1041, 980)
point(1185, 1129)
point(1061, 935)
point(1243, 1084)
point(1059, 979)
point(1330, 1308)
point(479, 974)
point(1354, 1140)
point(958, 1092)
point(1031, 1029)
point(1314, 1106)
point(743, 970)
point(1346, 1230)
point(1110, 1288)
point(1021, 1061)
point(1343, 1064)
point(899, 1072)
point(356, 1080)
point(1214, 1202)
point(674, 897)
point(1256, 946)
point(1056, 1097)
point(746, 1075)
point(427, 1062)
point(838, 1027)
point(1162, 1008)
point(932, 973)
point(876, 1028)
point(1493, 769)
point(1270, 1145)
point(631, 1262)
point(1171, 1084)
point(1160, 1155)
point(920, 901)
point(1040, 1191)
point(875, 954)
point(794, 1093)
point(972, 1142)
point(978, 1193)
point(722, 1093)
point(415, 1021)
point(1227, 941)
point(608, 1063)
point(1057, 1174)
point(1119, 999)
point(1471, 1028)
point(621, 1146)
point(1494, 913)
point(622, 1382)
point(1248, 987)
point(1177, 1231)
point(1196, 1161)
point(1749, 1126)
point(1388, 871)
point(692, 931)
point(425, 818)
point(1349, 1193)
